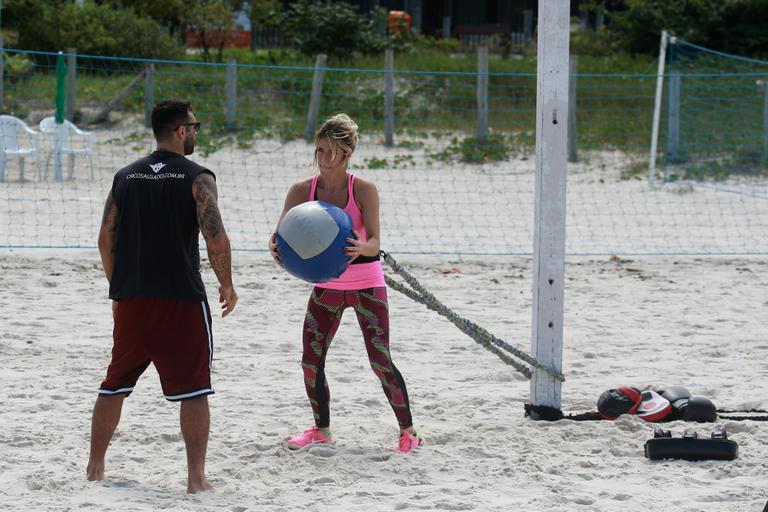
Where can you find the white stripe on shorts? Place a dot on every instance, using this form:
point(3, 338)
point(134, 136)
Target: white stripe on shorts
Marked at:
point(206, 391)
point(210, 336)
point(115, 392)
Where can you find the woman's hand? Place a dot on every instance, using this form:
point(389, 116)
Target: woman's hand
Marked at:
point(273, 250)
point(355, 249)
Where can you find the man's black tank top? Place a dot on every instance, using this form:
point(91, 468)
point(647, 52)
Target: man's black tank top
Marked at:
point(157, 252)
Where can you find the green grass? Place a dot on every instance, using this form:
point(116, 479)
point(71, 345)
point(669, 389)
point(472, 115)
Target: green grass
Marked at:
point(433, 98)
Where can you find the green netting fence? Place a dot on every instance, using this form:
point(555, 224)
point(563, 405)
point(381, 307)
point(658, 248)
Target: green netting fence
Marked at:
point(453, 157)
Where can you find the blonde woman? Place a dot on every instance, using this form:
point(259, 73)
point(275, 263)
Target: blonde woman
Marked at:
point(360, 287)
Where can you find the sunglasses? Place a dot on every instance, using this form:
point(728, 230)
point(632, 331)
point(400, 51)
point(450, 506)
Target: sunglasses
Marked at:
point(195, 125)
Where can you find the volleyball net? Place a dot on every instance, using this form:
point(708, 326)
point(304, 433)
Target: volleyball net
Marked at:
point(716, 126)
point(452, 154)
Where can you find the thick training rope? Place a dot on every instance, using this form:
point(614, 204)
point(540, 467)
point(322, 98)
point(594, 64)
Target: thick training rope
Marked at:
point(763, 415)
point(474, 331)
point(540, 412)
point(544, 413)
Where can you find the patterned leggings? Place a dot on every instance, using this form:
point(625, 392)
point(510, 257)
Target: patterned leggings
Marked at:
point(320, 324)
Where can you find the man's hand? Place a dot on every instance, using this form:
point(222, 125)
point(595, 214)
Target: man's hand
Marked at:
point(228, 299)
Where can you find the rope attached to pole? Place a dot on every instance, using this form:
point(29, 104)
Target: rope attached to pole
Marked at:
point(487, 340)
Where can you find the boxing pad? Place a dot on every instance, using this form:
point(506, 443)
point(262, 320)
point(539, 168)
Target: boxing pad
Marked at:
point(678, 396)
point(615, 402)
point(653, 407)
point(700, 409)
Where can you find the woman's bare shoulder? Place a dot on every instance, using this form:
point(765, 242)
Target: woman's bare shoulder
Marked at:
point(301, 186)
point(363, 185)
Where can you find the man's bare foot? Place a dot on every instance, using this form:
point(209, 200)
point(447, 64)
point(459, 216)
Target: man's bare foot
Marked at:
point(95, 472)
point(198, 485)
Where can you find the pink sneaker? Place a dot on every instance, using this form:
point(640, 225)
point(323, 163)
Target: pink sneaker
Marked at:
point(408, 442)
point(311, 436)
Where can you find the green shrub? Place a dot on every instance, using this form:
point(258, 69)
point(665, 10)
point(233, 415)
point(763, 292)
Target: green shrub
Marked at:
point(594, 42)
point(90, 28)
point(17, 66)
point(335, 28)
point(726, 25)
point(471, 150)
point(494, 148)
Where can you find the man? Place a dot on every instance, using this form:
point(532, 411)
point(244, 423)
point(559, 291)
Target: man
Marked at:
point(149, 248)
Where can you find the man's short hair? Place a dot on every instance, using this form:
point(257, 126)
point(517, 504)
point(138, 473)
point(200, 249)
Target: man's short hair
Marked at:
point(167, 116)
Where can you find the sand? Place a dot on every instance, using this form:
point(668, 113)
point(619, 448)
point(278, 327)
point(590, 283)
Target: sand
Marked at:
point(693, 321)
point(683, 302)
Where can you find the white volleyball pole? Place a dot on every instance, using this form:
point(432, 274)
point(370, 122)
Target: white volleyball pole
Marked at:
point(657, 108)
point(549, 217)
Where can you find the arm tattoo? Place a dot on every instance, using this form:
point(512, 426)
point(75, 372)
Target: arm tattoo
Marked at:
point(221, 262)
point(109, 219)
point(208, 216)
point(108, 235)
point(209, 220)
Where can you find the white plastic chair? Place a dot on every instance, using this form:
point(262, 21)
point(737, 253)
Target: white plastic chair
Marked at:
point(14, 133)
point(61, 142)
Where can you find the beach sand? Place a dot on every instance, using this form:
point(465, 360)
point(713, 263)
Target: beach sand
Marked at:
point(692, 321)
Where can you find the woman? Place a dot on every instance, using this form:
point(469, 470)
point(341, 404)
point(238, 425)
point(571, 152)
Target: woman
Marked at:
point(361, 286)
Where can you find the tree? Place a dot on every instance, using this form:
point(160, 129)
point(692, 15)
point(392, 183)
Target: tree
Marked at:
point(215, 19)
point(92, 28)
point(740, 29)
point(335, 28)
point(168, 13)
point(264, 12)
point(726, 25)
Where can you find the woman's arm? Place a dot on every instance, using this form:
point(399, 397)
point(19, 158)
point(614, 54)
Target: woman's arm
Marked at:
point(367, 197)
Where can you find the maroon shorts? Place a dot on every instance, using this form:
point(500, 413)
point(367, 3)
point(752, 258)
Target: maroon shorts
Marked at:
point(174, 335)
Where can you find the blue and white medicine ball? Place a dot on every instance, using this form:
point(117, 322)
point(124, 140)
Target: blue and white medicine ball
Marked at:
point(311, 240)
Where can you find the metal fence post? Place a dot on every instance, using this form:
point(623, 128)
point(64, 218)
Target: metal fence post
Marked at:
point(231, 94)
point(482, 94)
point(673, 118)
point(765, 119)
point(314, 99)
point(149, 93)
point(61, 100)
point(69, 110)
point(389, 97)
point(2, 76)
point(572, 135)
point(2, 71)
point(657, 109)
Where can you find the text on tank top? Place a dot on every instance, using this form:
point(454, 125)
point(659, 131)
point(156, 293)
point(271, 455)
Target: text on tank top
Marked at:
point(156, 251)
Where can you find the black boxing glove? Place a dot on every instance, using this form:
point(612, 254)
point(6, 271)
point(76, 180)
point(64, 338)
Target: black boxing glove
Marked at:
point(678, 396)
point(700, 409)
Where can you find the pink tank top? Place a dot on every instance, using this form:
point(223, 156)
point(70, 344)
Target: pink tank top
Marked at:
point(358, 276)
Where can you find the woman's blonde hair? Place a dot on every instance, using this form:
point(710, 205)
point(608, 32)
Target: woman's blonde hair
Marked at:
point(341, 131)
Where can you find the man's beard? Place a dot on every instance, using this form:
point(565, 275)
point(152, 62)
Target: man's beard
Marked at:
point(189, 146)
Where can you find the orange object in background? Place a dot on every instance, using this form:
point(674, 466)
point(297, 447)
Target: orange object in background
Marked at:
point(233, 38)
point(397, 21)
